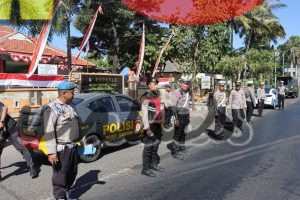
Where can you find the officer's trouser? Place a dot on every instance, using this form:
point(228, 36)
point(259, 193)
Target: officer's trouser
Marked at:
point(64, 173)
point(281, 101)
point(238, 116)
point(168, 115)
point(261, 105)
point(180, 132)
point(150, 153)
point(249, 110)
point(13, 135)
point(220, 120)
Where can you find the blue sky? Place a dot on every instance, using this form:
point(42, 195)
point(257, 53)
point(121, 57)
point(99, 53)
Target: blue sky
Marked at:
point(289, 17)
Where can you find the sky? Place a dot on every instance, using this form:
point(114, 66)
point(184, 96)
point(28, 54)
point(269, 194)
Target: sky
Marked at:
point(288, 16)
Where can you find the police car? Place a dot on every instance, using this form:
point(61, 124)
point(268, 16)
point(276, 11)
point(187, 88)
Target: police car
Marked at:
point(105, 120)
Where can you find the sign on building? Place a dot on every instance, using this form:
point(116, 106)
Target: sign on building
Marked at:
point(47, 69)
point(205, 82)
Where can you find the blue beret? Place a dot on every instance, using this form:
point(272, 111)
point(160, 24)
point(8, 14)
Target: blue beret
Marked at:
point(66, 85)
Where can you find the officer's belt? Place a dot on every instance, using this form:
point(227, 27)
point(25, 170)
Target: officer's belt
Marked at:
point(61, 147)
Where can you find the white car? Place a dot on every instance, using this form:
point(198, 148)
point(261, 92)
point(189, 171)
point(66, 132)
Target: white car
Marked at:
point(271, 97)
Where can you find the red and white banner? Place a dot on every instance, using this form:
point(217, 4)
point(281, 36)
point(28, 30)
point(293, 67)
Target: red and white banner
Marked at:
point(11, 79)
point(42, 41)
point(141, 55)
point(88, 33)
point(161, 53)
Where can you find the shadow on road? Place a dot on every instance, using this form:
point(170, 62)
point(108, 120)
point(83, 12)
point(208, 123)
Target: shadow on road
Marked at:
point(22, 169)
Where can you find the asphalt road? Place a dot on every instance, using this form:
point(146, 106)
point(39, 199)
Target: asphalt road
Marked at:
point(261, 164)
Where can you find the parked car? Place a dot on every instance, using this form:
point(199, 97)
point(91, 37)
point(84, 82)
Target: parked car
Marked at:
point(271, 97)
point(105, 120)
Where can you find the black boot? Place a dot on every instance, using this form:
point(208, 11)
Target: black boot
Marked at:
point(0, 178)
point(176, 151)
point(183, 150)
point(157, 168)
point(148, 172)
point(33, 172)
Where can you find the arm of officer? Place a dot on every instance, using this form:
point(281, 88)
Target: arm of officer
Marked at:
point(50, 137)
point(3, 115)
point(215, 103)
point(253, 97)
point(175, 99)
point(244, 100)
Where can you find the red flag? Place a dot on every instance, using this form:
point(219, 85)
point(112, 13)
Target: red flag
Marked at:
point(161, 53)
point(42, 41)
point(141, 55)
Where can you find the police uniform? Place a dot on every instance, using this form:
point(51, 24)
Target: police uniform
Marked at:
point(181, 112)
point(61, 125)
point(220, 101)
point(281, 95)
point(152, 121)
point(10, 131)
point(168, 107)
point(261, 99)
point(237, 103)
point(250, 101)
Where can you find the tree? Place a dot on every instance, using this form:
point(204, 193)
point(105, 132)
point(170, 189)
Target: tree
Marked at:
point(290, 50)
point(231, 67)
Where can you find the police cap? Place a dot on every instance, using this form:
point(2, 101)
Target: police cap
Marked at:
point(66, 85)
point(250, 82)
point(185, 80)
point(238, 83)
point(221, 83)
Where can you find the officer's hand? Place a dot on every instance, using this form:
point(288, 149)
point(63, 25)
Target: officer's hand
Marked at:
point(150, 134)
point(177, 122)
point(1, 125)
point(53, 159)
point(245, 109)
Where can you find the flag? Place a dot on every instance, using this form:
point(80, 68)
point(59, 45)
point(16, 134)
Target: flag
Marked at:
point(41, 43)
point(161, 53)
point(88, 33)
point(141, 55)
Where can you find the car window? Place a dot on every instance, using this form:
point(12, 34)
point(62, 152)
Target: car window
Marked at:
point(93, 106)
point(102, 105)
point(267, 90)
point(127, 105)
point(76, 101)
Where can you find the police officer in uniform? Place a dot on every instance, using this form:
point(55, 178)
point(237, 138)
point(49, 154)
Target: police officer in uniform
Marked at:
point(152, 122)
point(250, 100)
point(281, 95)
point(9, 130)
point(220, 101)
point(261, 98)
point(237, 103)
point(61, 125)
point(168, 106)
point(181, 112)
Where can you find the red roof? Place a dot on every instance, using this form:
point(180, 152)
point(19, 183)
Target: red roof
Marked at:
point(27, 45)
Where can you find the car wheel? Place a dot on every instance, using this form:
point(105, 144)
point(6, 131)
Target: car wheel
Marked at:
point(97, 143)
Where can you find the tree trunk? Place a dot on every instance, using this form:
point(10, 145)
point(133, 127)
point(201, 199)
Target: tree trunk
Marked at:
point(194, 77)
point(116, 48)
point(249, 43)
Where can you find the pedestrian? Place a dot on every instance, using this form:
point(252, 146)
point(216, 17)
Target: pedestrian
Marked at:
point(9, 130)
point(238, 106)
point(167, 106)
point(220, 101)
point(152, 122)
point(61, 126)
point(181, 112)
point(210, 96)
point(261, 99)
point(281, 95)
point(250, 100)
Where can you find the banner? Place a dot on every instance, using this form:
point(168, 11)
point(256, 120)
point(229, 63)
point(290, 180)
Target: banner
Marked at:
point(141, 55)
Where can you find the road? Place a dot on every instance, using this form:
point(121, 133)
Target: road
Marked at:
point(261, 164)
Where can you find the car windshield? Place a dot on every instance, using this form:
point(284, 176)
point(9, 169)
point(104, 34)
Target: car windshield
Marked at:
point(76, 101)
point(267, 90)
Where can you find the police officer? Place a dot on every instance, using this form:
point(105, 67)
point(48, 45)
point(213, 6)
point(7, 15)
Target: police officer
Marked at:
point(210, 101)
point(220, 101)
point(152, 122)
point(61, 125)
point(9, 130)
point(250, 100)
point(181, 112)
point(261, 98)
point(281, 95)
point(237, 103)
point(167, 106)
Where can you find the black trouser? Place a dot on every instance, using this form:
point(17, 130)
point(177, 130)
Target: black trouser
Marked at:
point(168, 116)
point(220, 120)
point(261, 105)
point(64, 173)
point(238, 116)
point(210, 100)
point(179, 133)
point(13, 135)
point(150, 153)
point(281, 98)
point(249, 110)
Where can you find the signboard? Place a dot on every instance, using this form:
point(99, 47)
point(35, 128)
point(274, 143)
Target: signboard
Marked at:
point(47, 69)
point(289, 70)
point(105, 83)
point(205, 82)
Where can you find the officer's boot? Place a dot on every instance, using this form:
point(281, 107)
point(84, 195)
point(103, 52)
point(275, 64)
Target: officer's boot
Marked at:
point(176, 151)
point(154, 166)
point(184, 150)
point(33, 172)
point(148, 172)
point(0, 177)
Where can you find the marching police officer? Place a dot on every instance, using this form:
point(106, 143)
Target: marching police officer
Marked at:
point(168, 106)
point(152, 122)
point(281, 95)
point(250, 100)
point(261, 98)
point(220, 101)
point(181, 112)
point(61, 126)
point(237, 103)
point(9, 129)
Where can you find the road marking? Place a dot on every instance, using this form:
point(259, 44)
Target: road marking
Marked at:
point(115, 174)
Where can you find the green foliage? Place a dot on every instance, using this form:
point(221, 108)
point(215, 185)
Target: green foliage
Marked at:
point(231, 67)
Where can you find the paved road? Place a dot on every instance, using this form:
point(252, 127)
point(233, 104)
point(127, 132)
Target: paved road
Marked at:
point(263, 163)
